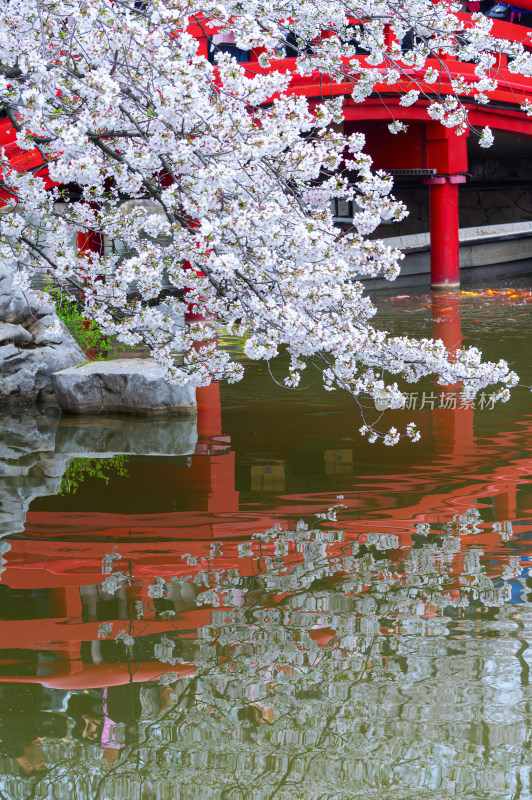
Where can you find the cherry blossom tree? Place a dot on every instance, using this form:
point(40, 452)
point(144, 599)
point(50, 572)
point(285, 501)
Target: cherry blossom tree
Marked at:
point(217, 181)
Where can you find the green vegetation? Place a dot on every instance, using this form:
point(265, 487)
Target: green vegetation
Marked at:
point(87, 333)
point(80, 469)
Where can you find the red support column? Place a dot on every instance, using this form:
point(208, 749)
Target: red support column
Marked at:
point(444, 230)
point(446, 152)
point(89, 242)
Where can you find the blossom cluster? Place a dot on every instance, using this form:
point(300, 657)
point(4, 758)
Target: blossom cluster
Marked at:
point(215, 184)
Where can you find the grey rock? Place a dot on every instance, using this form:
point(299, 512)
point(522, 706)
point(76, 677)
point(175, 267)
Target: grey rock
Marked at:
point(128, 386)
point(17, 491)
point(39, 344)
point(41, 305)
point(26, 375)
point(48, 330)
point(8, 352)
point(22, 307)
point(14, 333)
point(13, 307)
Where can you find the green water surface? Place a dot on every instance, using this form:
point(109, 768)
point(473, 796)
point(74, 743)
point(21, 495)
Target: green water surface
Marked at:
point(262, 605)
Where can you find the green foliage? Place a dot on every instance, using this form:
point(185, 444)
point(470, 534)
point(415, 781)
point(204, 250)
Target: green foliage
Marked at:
point(87, 334)
point(82, 468)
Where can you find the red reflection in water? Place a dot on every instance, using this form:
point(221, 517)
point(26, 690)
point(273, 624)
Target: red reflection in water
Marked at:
point(454, 433)
point(62, 553)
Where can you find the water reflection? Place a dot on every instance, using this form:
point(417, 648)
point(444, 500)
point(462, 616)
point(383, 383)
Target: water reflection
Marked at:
point(318, 661)
point(204, 627)
point(37, 447)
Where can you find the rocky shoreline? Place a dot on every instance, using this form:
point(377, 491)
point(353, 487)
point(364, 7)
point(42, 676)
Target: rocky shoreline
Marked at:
point(34, 343)
point(41, 363)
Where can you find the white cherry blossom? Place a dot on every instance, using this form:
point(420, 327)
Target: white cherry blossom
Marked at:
point(217, 180)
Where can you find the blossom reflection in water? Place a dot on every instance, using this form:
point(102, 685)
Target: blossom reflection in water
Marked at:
point(313, 662)
point(156, 643)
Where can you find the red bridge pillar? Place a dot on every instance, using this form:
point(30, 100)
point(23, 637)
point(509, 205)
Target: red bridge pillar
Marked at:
point(447, 153)
point(444, 227)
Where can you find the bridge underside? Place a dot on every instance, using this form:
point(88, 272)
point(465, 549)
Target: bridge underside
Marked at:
point(446, 179)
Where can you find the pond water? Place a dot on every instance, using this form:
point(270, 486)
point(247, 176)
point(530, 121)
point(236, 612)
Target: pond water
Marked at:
point(259, 604)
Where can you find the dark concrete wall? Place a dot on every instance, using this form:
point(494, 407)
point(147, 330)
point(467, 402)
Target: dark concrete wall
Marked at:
point(478, 206)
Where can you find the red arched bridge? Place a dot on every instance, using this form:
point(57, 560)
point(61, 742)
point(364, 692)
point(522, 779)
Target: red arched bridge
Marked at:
point(427, 149)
